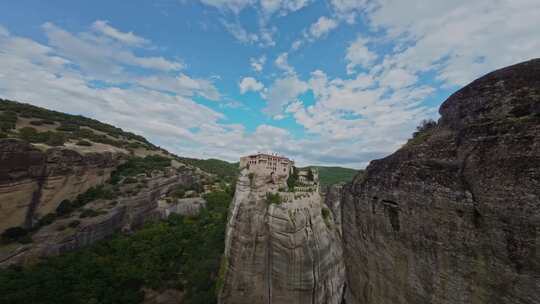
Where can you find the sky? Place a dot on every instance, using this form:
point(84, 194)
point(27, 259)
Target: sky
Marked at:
point(325, 82)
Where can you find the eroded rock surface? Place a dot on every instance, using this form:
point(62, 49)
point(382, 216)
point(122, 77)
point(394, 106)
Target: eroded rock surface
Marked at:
point(34, 182)
point(126, 214)
point(454, 215)
point(280, 253)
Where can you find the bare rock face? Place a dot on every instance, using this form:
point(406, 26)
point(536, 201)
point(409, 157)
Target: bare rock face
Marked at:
point(454, 215)
point(33, 182)
point(280, 253)
point(127, 214)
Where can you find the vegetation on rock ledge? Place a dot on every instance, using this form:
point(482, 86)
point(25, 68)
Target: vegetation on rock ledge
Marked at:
point(181, 252)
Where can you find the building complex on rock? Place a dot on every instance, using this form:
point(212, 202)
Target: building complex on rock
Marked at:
point(267, 164)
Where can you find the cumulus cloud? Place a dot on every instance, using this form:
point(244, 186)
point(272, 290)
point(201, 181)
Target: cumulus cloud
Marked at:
point(322, 27)
point(458, 40)
point(250, 84)
point(358, 54)
point(99, 55)
point(282, 92)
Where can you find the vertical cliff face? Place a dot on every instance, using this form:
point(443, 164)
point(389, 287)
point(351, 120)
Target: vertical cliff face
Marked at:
point(288, 252)
point(34, 182)
point(454, 215)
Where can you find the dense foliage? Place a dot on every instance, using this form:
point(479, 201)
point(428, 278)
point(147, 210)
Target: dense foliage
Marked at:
point(292, 180)
point(30, 134)
point(273, 198)
point(139, 165)
point(181, 252)
point(8, 120)
point(423, 132)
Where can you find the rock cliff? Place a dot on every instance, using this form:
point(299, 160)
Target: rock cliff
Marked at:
point(125, 213)
point(454, 215)
point(286, 252)
point(33, 182)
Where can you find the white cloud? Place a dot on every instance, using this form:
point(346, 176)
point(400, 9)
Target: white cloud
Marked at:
point(265, 9)
point(282, 7)
point(359, 54)
point(282, 92)
point(283, 64)
point(239, 32)
point(257, 64)
point(458, 40)
point(100, 56)
point(234, 5)
point(397, 79)
point(181, 85)
point(249, 84)
point(349, 9)
point(127, 38)
point(322, 27)
point(297, 44)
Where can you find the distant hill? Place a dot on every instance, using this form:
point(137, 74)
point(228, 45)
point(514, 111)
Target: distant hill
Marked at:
point(226, 170)
point(229, 171)
point(335, 175)
point(42, 126)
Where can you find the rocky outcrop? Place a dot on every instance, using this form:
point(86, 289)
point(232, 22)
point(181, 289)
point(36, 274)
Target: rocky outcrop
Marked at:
point(284, 252)
point(191, 206)
point(454, 215)
point(125, 213)
point(34, 182)
point(332, 200)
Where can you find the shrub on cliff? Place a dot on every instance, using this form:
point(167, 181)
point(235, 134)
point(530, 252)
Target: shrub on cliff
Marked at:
point(14, 234)
point(424, 126)
point(84, 143)
point(8, 120)
point(273, 198)
point(56, 139)
point(423, 132)
point(138, 165)
point(292, 179)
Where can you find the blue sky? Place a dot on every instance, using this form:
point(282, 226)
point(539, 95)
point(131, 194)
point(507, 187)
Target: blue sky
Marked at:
point(336, 82)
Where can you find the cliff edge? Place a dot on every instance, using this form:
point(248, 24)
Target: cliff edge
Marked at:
point(454, 215)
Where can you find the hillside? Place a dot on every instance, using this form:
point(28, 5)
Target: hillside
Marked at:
point(334, 175)
point(41, 126)
point(223, 169)
point(81, 201)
